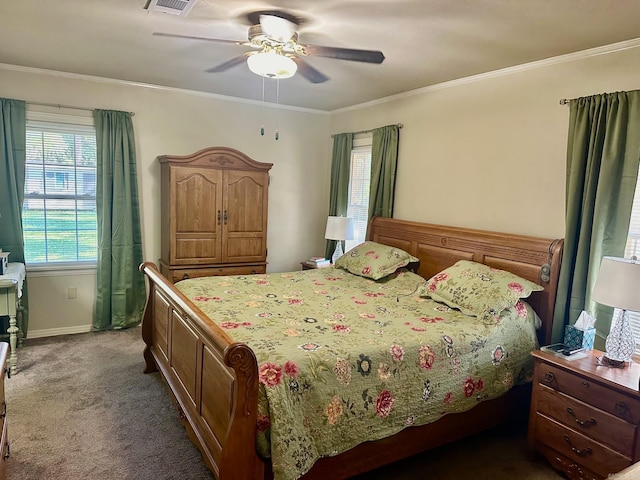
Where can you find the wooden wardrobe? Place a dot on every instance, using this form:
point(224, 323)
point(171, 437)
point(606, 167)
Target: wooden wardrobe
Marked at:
point(214, 214)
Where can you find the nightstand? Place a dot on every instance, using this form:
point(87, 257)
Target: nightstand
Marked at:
point(311, 266)
point(584, 418)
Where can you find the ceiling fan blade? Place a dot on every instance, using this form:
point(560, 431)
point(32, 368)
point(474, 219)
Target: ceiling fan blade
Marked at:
point(368, 56)
point(308, 72)
point(191, 37)
point(229, 63)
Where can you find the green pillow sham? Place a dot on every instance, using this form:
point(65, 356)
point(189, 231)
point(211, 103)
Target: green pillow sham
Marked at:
point(477, 289)
point(374, 260)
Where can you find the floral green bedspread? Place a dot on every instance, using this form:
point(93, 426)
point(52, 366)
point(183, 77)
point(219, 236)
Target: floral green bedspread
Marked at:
point(343, 359)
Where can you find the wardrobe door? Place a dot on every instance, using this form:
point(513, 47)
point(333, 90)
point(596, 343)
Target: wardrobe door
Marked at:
point(196, 216)
point(245, 216)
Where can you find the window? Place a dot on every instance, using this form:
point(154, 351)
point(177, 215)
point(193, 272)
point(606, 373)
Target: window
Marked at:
point(633, 248)
point(359, 182)
point(59, 210)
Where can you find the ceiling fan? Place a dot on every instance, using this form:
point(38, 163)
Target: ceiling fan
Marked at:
point(276, 52)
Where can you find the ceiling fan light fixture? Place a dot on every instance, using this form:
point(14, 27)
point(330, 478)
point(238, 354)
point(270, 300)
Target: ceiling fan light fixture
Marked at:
point(277, 28)
point(272, 65)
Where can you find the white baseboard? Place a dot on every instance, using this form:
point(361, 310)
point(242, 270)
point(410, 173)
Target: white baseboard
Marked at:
point(52, 332)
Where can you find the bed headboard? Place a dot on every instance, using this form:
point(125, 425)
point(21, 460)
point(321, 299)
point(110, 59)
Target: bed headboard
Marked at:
point(438, 247)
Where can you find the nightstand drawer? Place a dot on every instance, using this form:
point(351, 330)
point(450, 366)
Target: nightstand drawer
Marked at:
point(573, 469)
point(587, 452)
point(590, 392)
point(601, 426)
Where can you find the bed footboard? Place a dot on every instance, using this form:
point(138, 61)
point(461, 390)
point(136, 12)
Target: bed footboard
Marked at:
point(213, 380)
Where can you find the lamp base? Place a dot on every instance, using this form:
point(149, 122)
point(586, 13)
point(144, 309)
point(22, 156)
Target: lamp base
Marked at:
point(620, 343)
point(337, 253)
point(608, 362)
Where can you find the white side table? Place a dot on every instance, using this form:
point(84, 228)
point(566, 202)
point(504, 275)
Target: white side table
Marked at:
point(10, 293)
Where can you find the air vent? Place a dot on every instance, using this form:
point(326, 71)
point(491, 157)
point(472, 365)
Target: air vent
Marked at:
point(174, 7)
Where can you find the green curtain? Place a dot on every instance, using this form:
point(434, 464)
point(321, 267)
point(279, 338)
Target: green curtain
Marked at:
point(384, 163)
point(13, 139)
point(340, 173)
point(603, 154)
point(120, 286)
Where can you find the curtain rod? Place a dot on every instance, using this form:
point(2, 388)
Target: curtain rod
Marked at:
point(57, 105)
point(564, 101)
point(399, 125)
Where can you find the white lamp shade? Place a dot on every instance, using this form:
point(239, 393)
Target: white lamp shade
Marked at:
point(339, 228)
point(272, 65)
point(618, 284)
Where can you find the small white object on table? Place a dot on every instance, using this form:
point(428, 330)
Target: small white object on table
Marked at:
point(10, 293)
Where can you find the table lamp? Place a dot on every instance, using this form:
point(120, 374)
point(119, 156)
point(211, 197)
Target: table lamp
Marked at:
point(338, 228)
point(618, 285)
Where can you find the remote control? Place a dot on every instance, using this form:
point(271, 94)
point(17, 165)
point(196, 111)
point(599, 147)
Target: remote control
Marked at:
point(568, 351)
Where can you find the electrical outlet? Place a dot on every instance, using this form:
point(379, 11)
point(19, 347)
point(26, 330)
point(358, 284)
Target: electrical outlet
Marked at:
point(72, 293)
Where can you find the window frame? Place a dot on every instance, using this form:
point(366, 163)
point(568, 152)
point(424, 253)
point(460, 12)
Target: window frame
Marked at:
point(65, 122)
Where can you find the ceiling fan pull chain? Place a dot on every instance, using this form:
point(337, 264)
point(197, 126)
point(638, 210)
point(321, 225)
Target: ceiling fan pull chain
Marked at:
point(262, 126)
point(277, 103)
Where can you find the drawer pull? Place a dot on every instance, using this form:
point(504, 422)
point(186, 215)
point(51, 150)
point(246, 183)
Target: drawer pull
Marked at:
point(575, 471)
point(621, 408)
point(582, 423)
point(582, 453)
point(219, 217)
point(549, 377)
point(585, 384)
point(185, 276)
point(7, 454)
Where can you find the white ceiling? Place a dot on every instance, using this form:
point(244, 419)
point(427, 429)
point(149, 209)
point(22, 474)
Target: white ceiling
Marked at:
point(425, 42)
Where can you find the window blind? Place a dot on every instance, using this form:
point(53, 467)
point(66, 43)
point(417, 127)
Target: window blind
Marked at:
point(59, 210)
point(633, 249)
point(359, 183)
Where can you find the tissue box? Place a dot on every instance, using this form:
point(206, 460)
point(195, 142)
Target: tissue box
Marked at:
point(578, 338)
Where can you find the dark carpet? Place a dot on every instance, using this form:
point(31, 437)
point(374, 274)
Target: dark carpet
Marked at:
point(81, 408)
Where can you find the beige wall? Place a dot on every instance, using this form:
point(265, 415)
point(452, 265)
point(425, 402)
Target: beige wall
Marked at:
point(487, 152)
point(175, 122)
point(60, 302)
point(490, 153)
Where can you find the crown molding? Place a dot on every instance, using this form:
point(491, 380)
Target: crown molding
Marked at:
point(569, 57)
point(150, 86)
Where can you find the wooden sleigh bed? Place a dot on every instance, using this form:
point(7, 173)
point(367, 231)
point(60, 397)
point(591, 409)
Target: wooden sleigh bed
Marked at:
point(215, 382)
